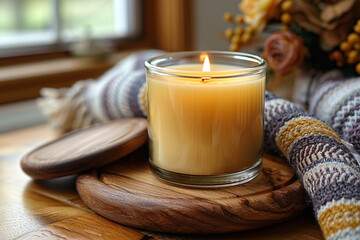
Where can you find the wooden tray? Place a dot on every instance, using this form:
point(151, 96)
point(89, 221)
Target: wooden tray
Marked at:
point(127, 192)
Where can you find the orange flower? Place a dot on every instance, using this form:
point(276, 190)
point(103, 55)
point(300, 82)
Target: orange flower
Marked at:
point(284, 51)
point(258, 11)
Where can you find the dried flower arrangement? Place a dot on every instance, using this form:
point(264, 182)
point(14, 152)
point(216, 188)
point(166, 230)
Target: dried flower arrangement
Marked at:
point(322, 33)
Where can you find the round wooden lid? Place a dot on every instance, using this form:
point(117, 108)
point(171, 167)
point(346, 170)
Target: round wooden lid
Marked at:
point(127, 192)
point(85, 149)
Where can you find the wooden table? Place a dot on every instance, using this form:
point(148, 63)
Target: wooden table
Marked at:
point(52, 209)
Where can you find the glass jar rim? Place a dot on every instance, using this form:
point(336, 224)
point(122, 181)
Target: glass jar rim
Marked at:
point(260, 66)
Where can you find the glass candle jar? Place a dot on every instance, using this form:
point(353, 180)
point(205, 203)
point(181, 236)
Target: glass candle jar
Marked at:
point(205, 117)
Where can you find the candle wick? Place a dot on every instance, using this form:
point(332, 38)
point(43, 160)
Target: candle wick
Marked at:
point(204, 78)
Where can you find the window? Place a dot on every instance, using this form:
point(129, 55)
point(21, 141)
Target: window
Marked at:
point(25, 24)
point(29, 27)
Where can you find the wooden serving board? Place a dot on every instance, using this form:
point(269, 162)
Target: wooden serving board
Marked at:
point(127, 192)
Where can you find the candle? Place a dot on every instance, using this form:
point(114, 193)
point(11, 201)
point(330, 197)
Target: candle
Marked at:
point(204, 119)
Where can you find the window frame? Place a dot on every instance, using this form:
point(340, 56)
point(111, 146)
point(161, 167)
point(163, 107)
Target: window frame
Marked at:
point(59, 46)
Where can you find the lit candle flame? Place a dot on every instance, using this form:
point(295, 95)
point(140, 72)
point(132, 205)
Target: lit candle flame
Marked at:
point(206, 65)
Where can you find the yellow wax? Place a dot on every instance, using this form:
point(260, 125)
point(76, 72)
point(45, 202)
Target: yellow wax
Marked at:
point(205, 127)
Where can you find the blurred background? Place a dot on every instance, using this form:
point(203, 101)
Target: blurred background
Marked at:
point(25, 23)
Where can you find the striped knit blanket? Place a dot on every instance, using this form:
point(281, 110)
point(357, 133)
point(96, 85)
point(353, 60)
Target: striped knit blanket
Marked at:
point(332, 99)
point(337, 103)
point(328, 170)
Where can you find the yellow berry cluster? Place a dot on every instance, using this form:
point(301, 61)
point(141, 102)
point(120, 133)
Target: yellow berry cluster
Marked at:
point(285, 17)
point(349, 50)
point(240, 33)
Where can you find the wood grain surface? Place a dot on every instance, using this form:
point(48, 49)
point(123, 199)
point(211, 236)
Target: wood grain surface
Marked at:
point(47, 208)
point(128, 193)
point(85, 149)
point(82, 227)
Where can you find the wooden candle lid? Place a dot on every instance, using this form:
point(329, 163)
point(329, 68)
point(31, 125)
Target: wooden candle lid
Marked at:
point(85, 149)
point(128, 193)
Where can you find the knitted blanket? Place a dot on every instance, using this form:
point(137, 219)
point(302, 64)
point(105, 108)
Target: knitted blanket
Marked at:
point(307, 81)
point(337, 103)
point(328, 170)
point(118, 93)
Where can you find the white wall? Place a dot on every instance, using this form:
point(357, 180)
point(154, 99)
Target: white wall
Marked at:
point(209, 26)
